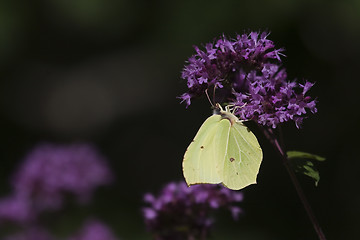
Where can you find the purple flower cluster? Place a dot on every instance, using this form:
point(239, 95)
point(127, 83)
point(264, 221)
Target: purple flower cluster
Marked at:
point(51, 171)
point(247, 72)
point(47, 175)
point(182, 212)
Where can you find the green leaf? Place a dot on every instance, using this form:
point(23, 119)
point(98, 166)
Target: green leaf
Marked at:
point(301, 162)
point(304, 155)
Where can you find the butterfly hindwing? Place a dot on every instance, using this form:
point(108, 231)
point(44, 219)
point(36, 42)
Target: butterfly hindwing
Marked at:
point(242, 159)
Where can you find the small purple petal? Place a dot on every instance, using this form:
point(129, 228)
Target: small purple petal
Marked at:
point(149, 213)
point(149, 198)
point(186, 98)
point(235, 212)
point(306, 87)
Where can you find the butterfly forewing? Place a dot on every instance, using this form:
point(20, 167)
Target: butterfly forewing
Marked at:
point(201, 158)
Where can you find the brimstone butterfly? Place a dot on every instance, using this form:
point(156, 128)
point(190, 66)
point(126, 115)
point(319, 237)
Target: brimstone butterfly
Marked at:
point(223, 151)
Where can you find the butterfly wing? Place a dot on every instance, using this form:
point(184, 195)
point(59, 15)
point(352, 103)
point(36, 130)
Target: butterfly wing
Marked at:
point(242, 159)
point(203, 160)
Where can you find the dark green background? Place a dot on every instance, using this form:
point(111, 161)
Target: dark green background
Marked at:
point(108, 72)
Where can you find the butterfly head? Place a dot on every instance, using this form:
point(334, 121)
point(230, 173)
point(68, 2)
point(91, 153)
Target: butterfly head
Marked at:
point(226, 114)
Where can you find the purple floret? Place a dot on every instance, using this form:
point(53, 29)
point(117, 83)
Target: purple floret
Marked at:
point(247, 72)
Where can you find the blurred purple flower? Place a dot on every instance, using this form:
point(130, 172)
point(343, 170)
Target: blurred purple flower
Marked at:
point(94, 230)
point(15, 209)
point(50, 171)
point(247, 72)
point(182, 212)
point(31, 234)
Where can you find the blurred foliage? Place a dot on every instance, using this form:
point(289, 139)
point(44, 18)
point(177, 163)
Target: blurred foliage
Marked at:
point(303, 163)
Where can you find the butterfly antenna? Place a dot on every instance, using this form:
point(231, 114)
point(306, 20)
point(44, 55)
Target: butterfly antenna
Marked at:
point(214, 93)
point(208, 97)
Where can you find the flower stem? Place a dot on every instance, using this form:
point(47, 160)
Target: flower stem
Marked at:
point(274, 141)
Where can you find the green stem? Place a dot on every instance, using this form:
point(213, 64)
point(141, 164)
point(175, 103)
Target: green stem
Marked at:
point(274, 141)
